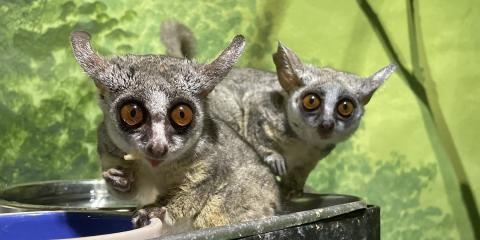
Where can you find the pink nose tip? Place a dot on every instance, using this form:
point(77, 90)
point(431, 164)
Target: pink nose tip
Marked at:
point(157, 149)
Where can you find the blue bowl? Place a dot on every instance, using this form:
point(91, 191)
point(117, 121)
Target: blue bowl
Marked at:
point(61, 224)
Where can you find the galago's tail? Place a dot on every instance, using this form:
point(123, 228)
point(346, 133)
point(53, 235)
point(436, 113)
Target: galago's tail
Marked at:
point(178, 39)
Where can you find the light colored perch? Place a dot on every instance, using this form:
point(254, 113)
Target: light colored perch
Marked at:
point(130, 157)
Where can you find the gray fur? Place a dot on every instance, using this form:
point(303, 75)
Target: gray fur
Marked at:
point(266, 108)
point(271, 116)
point(209, 176)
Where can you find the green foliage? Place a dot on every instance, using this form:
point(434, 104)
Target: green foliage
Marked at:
point(49, 110)
point(389, 183)
point(49, 113)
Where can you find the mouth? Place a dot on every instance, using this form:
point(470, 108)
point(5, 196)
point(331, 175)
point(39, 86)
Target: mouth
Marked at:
point(325, 134)
point(154, 162)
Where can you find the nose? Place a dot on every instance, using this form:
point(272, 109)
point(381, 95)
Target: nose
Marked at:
point(327, 125)
point(157, 149)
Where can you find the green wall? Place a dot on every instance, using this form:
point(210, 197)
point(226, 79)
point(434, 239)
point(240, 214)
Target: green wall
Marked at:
point(403, 157)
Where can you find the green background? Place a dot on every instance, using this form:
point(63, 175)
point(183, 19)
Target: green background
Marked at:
point(402, 158)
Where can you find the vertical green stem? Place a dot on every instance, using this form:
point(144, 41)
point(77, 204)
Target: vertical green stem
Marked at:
point(422, 84)
point(422, 72)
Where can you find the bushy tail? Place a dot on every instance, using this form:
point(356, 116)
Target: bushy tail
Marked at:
point(178, 39)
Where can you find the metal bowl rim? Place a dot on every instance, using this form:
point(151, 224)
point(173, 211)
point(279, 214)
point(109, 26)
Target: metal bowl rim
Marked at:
point(18, 206)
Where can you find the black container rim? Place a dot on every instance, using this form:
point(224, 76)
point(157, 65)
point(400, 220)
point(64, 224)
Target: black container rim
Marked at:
point(274, 223)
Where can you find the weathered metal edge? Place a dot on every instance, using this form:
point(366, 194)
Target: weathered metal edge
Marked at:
point(268, 224)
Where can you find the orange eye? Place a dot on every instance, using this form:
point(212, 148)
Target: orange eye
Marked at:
point(181, 115)
point(345, 108)
point(132, 115)
point(311, 102)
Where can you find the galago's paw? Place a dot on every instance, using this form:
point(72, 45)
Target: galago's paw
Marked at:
point(120, 179)
point(277, 164)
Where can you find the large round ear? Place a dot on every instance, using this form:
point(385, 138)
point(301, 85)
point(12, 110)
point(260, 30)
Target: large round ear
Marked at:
point(287, 62)
point(219, 68)
point(94, 65)
point(370, 84)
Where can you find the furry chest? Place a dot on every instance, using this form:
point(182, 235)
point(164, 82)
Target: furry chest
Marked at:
point(297, 153)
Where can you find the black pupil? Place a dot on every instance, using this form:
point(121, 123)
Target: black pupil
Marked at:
point(182, 114)
point(345, 106)
point(311, 100)
point(133, 112)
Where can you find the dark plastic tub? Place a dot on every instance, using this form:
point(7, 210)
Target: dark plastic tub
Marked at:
point(312, 211)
